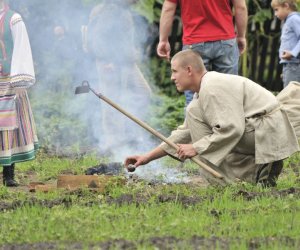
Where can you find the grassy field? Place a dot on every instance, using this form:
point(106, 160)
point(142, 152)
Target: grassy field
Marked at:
point(143, 215)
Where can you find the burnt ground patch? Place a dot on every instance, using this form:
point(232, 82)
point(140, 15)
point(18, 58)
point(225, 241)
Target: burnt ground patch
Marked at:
point(163, 243)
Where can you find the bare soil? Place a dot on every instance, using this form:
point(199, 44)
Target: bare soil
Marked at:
point(162, 243)
point(140, 199)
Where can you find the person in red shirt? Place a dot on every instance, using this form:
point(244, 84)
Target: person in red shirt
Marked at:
point(208, 27)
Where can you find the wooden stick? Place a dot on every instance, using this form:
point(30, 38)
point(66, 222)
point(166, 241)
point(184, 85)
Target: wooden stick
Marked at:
point(157, 134)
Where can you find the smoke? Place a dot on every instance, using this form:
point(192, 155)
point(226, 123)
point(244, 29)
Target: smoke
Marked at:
point(104, 44)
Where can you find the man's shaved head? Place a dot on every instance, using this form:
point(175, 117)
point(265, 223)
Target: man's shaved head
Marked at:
point(189, 58)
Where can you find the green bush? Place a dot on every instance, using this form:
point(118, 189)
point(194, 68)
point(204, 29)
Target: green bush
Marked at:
point(167, 113)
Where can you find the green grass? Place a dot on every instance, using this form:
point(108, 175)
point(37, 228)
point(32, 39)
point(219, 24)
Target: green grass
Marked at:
point(269, 219)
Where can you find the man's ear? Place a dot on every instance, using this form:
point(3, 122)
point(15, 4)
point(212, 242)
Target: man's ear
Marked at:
point(189, 69)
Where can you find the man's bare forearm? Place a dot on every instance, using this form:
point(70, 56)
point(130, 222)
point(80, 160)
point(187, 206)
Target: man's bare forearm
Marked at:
point(154, 154)
point(241, 17)
point(166, 20)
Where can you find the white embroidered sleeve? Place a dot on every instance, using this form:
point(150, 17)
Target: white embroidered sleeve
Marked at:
point(22, 70)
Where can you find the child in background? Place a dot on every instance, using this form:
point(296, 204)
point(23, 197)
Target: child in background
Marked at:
point(286, 10)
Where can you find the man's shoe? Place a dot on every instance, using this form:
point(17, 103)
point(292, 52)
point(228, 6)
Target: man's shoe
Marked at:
point(276, 169)
point(268, 173)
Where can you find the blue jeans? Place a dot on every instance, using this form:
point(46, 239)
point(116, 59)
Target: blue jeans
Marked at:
point(221, 56)
point(290, 72)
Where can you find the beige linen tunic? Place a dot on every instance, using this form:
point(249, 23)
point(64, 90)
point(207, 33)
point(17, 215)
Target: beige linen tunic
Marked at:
point(236, 124)
point(289, 99)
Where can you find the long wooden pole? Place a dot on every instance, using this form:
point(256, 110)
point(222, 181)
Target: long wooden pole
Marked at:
point(157, 134)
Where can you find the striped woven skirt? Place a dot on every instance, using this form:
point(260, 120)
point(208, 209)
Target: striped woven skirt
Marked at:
point(19, 144)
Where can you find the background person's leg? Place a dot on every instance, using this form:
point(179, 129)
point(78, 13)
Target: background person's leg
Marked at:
point(290, 72)
point(188, 97)
point(226, 57)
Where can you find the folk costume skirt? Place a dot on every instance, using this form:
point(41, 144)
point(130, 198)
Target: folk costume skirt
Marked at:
point(19, 144)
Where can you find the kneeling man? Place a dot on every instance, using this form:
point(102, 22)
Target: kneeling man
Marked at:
point(232, 122)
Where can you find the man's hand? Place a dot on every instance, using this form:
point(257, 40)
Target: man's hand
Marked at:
point(242, 44)
point(186, 151)
point(286, 55)
point(136, 160)
point(164, 50)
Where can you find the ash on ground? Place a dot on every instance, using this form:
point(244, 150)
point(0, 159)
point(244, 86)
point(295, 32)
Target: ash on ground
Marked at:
point(154, 173)
point(112, 168)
